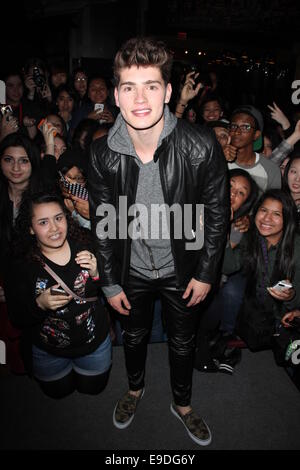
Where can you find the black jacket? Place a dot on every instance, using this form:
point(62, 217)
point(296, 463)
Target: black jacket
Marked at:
point(193, 171)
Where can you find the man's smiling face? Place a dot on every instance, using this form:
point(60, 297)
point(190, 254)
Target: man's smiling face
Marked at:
point(141, 95)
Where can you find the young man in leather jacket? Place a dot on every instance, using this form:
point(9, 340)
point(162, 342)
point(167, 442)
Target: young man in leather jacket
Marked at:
point(149, 160)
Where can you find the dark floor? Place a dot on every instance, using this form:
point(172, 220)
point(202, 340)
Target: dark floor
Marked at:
point(256, 408)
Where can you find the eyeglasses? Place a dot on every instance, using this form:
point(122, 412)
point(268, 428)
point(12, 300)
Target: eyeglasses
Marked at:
point(243, 127)
point(80, 79)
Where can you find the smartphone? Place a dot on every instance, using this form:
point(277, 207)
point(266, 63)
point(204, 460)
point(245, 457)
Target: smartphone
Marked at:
point(282, 285)
point(6, 109)
point(7, 112)
point(76, 189)
point(58, 291)
point(99, 107)
point(40, 126)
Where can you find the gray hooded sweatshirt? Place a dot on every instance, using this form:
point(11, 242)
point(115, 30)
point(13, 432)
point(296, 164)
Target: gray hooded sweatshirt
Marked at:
point(151, 255)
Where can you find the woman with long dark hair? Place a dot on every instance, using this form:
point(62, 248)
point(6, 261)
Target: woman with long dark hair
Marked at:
point(291, 181)
point(52, 294)
point(19, 172)
point(268, 254)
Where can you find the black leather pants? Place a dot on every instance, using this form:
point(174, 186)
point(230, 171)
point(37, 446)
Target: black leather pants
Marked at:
point(180, 322)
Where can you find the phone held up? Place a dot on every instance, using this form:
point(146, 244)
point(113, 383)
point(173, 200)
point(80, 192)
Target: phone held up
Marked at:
point(40, 124)
point(76, 189)
point(6, 111)
point(99, 107)
point(282, 285)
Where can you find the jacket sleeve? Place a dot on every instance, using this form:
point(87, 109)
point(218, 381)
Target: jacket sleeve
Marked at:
point(281, 152)
point(102, 212)
point(214, 194)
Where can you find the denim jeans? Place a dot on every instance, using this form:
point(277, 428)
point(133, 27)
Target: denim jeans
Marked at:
point(231, 297)
point(47, 367)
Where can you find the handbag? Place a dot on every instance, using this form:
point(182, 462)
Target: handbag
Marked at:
point(65, 287)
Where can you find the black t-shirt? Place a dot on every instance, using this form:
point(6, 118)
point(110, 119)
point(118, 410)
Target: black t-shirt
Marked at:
point(75, 330)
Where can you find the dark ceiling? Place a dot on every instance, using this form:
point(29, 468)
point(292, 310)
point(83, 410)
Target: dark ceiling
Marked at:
point(261, 27)
point(262, 16)
point(238, 15)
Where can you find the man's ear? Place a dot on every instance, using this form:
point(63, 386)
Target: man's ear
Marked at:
point(116, 95)
point(168, 93)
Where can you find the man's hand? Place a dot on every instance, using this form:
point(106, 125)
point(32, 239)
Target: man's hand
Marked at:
point(118, 302)
point(199, 289)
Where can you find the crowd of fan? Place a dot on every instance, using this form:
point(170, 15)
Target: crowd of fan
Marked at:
point(48, 123)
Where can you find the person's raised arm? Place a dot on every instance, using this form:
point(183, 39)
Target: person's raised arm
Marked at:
point(188, 92)
point(279, 116)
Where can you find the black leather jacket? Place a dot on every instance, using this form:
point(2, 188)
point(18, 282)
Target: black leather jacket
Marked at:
point(193, 170)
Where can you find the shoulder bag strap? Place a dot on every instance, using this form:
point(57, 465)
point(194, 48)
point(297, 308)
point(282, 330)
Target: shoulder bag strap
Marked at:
point(65, 287)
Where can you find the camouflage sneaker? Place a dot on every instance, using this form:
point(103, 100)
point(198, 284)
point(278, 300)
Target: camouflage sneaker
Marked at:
point(125, 409)
point(196, 427)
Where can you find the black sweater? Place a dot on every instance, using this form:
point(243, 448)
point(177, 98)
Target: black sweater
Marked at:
point(77, 329)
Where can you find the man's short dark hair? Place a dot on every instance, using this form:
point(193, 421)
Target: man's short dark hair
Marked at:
point(143, 51)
